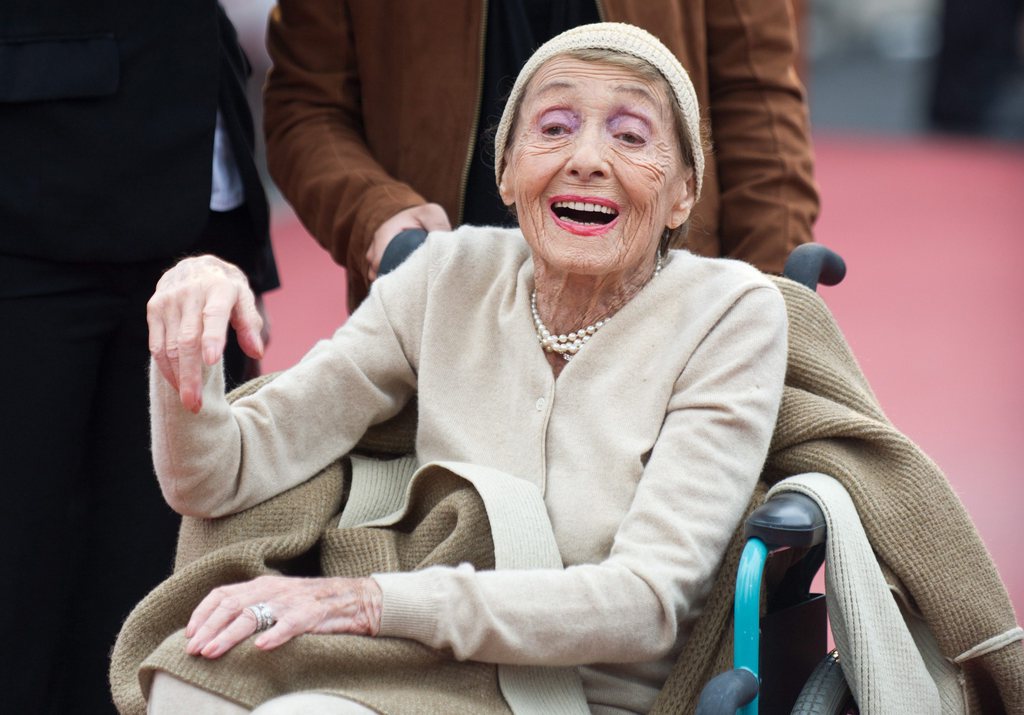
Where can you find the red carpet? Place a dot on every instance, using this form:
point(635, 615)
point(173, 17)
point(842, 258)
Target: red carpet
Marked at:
point(933, 235)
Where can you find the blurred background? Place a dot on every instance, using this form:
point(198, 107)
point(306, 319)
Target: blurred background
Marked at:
point(917, 109)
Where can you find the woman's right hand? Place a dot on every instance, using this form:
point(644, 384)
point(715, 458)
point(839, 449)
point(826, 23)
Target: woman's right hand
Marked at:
point(296, 605)
point(188, 318)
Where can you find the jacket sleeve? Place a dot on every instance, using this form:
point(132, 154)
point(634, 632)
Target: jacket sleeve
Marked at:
point(689, 501)
point(759, 126)
point(316, 147)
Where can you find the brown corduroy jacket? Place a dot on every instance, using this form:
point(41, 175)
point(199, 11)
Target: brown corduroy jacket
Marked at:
point(371, 107)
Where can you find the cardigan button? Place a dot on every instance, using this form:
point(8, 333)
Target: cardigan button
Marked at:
point(541, 403)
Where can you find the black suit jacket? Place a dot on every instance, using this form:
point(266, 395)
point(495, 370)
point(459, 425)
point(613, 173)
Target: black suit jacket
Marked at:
point(107, 115)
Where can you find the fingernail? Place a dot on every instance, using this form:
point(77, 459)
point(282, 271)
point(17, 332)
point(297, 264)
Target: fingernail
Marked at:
point(212, 650)
point(192, 401)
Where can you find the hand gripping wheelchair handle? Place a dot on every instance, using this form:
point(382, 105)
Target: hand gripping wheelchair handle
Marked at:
point(727, 692)
point(400, 248)
point(812, 263)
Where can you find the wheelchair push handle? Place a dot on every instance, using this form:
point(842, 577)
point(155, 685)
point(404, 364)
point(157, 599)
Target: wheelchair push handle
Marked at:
point(812, 263)
point(788, 519)
point(400, 248)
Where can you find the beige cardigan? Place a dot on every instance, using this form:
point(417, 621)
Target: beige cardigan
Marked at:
point(645, 449)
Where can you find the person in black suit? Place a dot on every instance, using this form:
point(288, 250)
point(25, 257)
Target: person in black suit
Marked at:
point(126, 143)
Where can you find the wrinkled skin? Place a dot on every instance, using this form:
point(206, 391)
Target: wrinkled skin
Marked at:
point(188, 318)
point(300, 605)
point(596, 132)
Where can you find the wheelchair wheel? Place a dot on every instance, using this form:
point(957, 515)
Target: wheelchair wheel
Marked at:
point(826, 691)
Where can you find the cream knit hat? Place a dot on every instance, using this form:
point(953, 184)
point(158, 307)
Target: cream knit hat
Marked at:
point(615, 37)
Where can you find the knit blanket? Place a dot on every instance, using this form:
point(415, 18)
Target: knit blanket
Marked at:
point(356, 517)
point(830, 422)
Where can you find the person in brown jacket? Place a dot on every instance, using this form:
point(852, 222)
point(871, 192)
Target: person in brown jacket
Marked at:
point(378, 114)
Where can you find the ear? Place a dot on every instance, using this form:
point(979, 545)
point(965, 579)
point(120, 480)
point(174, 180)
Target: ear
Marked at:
point(507, 179)
point(683, 205)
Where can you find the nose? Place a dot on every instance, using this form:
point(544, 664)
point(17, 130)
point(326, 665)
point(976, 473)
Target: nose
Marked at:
point(588, 160)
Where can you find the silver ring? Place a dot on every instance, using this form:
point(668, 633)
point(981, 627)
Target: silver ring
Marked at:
point(263, 615)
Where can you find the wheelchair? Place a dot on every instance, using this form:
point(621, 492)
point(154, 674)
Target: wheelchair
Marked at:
point(772, 673)
point(785, 547)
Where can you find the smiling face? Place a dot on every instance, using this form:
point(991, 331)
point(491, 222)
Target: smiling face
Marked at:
point(595, 170)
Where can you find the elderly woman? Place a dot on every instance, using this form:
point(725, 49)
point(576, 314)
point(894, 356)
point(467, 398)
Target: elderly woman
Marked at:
point(635, 388)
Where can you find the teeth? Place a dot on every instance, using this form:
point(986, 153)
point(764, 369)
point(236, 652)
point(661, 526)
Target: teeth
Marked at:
point(585, 206)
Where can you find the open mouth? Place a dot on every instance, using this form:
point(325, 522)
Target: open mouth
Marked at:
point(584, 213)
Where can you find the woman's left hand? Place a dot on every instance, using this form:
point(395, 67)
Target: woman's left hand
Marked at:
point(298, 605)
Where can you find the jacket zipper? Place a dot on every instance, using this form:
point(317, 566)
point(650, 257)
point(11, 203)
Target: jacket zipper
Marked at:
point(476, 120)
point(600, 10)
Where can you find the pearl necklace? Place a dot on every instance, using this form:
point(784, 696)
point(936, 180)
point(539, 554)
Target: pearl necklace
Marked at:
point(568, 345)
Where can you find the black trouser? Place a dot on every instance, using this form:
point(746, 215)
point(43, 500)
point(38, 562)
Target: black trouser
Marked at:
point(84, 528)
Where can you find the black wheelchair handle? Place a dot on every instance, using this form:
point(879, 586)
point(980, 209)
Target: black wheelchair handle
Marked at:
point(400, 248)
point(787, 519)
point(727, 692)
point(812, 263)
